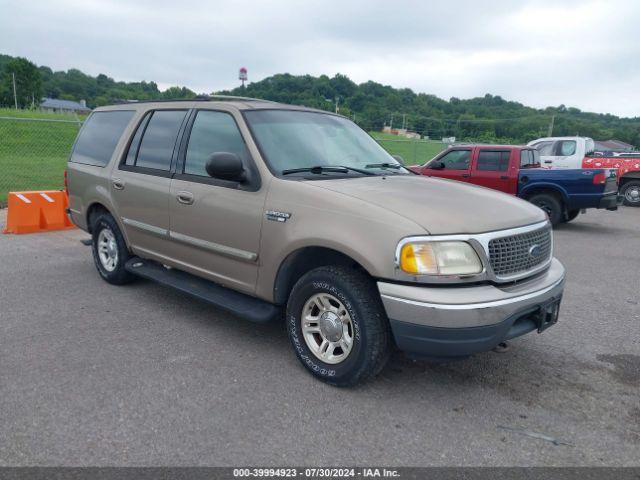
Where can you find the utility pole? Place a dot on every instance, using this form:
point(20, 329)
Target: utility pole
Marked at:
point(404, 121)
point(391, 124)
point(15, 96)
point(337, 100)
point(550, 132)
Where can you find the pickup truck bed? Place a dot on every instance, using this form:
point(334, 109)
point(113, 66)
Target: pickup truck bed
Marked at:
point(628, 175)
point(579, 152)
point(576, 186)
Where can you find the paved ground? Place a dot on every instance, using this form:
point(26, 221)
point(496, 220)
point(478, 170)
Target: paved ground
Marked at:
point(142, 375)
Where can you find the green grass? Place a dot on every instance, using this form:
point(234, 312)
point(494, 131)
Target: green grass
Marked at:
point(412, 151)
point(33, 154)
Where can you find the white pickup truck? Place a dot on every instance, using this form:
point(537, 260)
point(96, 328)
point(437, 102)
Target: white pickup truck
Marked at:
point(578, 152)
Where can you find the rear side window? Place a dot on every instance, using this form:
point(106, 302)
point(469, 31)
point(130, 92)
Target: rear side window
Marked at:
point(545, 148)
point(564, 148)
point(99, 137)
point(529, 158)
point(212, 132)
point(493, 160)
point(155, 149)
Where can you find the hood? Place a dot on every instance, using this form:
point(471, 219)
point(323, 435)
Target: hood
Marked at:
point(439, 206)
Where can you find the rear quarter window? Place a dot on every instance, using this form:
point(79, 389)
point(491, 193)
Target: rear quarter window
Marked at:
point(494, 160)
point(99, 136)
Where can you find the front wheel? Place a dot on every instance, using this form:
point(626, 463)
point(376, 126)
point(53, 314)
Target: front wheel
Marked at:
point(631, 193)
point(337, 325)
point(550, 204)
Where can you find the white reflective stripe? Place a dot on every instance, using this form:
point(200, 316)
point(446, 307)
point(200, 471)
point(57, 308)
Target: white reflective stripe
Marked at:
point(47, 197)
point(23, 198)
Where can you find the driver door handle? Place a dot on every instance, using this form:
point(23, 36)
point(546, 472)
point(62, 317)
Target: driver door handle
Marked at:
point(118, 184)
point(185, 198)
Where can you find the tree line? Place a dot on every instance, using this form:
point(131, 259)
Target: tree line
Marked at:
point(372, 105)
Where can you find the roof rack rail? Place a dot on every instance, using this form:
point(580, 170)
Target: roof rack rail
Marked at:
point(235, 97)
point(196, 98)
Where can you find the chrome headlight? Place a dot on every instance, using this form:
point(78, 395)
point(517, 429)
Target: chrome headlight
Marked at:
point(439, 258)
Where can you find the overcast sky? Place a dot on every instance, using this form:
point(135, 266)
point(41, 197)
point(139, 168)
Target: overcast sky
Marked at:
point(580, 53)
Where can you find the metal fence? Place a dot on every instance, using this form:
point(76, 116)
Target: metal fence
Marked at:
point(33, 153)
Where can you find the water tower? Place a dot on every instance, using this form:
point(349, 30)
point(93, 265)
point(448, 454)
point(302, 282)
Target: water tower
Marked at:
point(243, 75)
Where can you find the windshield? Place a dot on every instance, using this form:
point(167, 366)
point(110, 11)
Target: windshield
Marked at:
point(292, 140)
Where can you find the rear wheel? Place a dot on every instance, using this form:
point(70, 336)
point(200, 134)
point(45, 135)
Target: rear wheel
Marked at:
point(572, 214)
point(631, 192)
point(110, 252)
point(550, 204)
point(337, 325)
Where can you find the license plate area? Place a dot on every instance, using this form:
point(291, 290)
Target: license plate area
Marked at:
point(547, 314)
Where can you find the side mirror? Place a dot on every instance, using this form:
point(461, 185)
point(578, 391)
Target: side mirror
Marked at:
point(225, 166)
point(436, 165)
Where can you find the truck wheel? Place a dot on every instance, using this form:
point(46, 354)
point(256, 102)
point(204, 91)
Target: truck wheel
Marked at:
point(337, 325)
point(631, 192)
point(550, 204)
point(572, 214)
point(110, 251)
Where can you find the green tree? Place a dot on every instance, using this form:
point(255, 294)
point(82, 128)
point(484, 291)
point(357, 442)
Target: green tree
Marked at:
point(28, 83)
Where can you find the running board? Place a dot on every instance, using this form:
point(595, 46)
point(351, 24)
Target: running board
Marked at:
point(249, 308)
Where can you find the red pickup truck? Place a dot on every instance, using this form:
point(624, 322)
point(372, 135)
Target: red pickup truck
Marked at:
point(562, 193)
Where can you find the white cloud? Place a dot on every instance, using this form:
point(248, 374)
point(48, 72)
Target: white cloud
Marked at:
point(580, 53)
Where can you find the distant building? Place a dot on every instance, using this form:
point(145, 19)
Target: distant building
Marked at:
point(401, 132)
point(612, 146)
point(54, 105)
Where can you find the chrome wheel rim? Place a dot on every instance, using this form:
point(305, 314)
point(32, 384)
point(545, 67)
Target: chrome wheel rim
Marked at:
point(632, 194)
point(327, 328)
point(107, 249)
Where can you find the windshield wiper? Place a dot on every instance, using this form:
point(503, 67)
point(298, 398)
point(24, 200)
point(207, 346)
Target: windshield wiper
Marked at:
point(395, 166)
point(320, 169)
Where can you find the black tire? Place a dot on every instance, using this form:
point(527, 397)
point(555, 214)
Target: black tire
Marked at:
point(372, 343)
point(631, 200)
point(572, 214)
point(117, 276)
point(550, 204)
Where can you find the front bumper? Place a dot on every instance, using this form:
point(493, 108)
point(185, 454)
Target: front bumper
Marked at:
point(463, 320)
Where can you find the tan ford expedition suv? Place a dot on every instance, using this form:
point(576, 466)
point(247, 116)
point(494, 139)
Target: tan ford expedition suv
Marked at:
point(265, 209)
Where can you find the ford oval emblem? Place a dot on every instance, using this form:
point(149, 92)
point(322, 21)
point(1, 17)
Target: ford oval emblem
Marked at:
point(535, 251)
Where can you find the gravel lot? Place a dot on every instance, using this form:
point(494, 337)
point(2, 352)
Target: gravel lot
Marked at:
point(92, 374)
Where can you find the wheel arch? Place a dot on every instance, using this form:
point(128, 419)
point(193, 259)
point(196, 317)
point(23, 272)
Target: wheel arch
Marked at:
point(301, 261)
point(557, 192)
point(629, 176)
point(97, 207)
point(92, 211)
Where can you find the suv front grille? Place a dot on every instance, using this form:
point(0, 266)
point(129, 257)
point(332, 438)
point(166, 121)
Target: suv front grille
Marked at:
point(517, 254)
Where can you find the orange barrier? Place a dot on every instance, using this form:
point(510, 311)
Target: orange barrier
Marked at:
point(31, 212)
